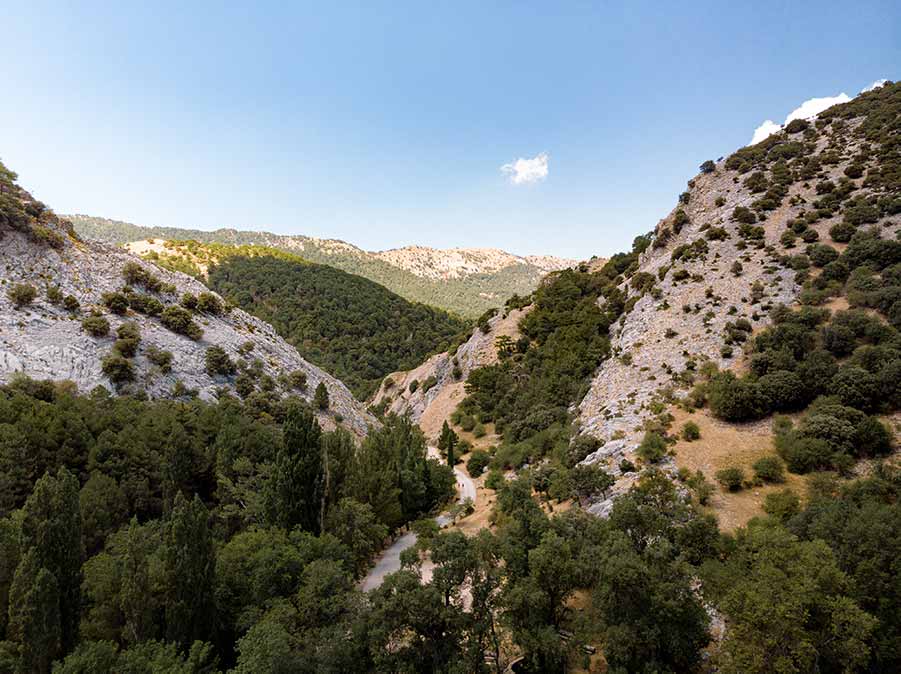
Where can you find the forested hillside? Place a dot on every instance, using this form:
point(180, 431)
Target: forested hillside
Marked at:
point(346, 324)
point(468, 294)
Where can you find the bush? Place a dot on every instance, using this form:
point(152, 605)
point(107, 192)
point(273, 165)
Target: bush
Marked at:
point(730, 478)
point(413, 386)
point(218, 362)
point(117, 368)
point(21, 294)
point(841, 232)
point(477, 462)
point(71, 303)
point(769, 469)
point(495, 480)
point(208, 303)
point(820, 254)
point(797, 126)
point(145, 304)
point(691, 431)
point(479, 431)
point(781, 390)
point(115, 302)
point(744, 215)
point(162, 359)
point(96, 326)
point(467, 423)
point(179, 321)
point(298, 380)
point(54, 295)
point(652, 447)
point(320, 397)
point(733, 399)
point(708, 166)
point(783, 505)
point(189, 301)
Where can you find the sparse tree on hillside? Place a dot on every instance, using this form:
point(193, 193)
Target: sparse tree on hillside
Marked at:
point(320, 397)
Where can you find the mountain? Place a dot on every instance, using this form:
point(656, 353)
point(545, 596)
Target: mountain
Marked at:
point(465, 281)
point(776, 279)
point(65, 301)
point(344, 323)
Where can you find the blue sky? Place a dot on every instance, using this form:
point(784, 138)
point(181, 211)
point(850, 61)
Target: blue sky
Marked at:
point(387, 123)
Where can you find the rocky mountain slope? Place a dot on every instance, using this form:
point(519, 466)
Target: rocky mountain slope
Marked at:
point(464, 281)
point(63, 301)
point(430, 392)
point(739, 243)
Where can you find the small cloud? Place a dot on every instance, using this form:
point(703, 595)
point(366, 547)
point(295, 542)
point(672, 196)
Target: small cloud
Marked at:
point(524, 171)
point(875, 85)
point(808, 109)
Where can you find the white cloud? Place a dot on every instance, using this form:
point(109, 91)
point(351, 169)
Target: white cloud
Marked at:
point(809, 108)
point(524, 171)
point(875, 85)
point(764, 131)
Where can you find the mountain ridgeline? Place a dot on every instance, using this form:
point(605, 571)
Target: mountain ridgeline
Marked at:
point(346, 324)
point(466, 282)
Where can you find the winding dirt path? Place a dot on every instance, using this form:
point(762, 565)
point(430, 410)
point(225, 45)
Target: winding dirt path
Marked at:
point(389, 561)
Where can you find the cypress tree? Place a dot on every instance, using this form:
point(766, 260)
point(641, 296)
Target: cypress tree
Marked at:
point(34, 615)
point(51, 527)
point(293, 492)
point(190, 568)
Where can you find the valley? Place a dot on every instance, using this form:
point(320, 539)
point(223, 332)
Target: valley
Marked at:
point(244, 452)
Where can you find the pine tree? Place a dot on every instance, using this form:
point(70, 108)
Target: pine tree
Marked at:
point(135, 587)
point(190, 573)
point(294, 490)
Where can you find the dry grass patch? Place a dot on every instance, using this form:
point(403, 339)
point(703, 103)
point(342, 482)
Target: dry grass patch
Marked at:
point(724, 445)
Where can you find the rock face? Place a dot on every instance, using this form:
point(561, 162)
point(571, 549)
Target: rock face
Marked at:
point(683, 324)
point(438, 391)
point(455, 263)
point(45, 341)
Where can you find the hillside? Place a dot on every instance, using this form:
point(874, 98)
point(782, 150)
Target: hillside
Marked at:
point(97, 316)
point(344, 323)
point(466, 282)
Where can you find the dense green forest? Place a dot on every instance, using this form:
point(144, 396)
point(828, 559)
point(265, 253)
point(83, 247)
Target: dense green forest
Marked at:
point(188, 537)
point(353, 328)
point(469, 296)
point(132, 529)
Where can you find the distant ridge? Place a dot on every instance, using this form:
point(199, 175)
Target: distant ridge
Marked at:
point(466, 281)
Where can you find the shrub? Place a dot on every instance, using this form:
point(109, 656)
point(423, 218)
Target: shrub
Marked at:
point(21, 294)
point(117, 368)
point(129, 336)
point(71, 303)
point(691, 431)
point(219, 362)
point(208, 303)
point(298, 380)
point(769, 469)
point(744, 215)
point(708, 166)
point(478, 431)
point(467, 422)
point(477, 462)
point(413, 386)
point(652, 447)
point(115, 302)
point(797, 126)
point(841, 232)
point(179, 321)
point(820, 254)
point(189, 301)
point(145, 304)
point(495, 480)
point(733, 399)
point(96, 326)
point(135, 275)
point(783, 505)
point(320, 397)
point(730, 478)
point(781, 390)
point(162, 359)
point(54, 295)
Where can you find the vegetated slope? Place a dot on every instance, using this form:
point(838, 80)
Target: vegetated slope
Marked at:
point(766, 227)
point(96, 315)
point(347, 324)
point(463, 281)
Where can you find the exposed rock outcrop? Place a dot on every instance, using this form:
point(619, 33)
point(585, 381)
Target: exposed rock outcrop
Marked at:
point(45, 341)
